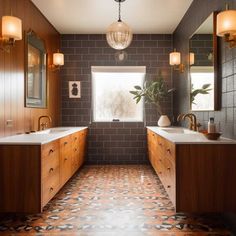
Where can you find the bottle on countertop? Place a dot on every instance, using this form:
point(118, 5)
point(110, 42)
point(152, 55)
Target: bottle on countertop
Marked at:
point(211, 125)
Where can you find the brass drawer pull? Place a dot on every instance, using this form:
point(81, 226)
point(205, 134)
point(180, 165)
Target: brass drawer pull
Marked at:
point(168, 168)
point(168, 150)
point(51, 170)
point(65, 143)
point(51, 151)
point(51, 189)
point(65, 159)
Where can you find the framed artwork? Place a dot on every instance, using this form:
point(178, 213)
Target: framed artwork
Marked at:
point(74, 89)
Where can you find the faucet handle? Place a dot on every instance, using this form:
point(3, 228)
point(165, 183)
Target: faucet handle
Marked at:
point(198, 126)
point(43, 125)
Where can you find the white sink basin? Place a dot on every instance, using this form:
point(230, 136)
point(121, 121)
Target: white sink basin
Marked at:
point(179, 131)
point(52, 131)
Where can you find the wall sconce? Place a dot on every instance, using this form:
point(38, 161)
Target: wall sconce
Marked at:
point(226, 26)
point(58, 61)
point(175, 61)
point(11, 31)
point(191, 58)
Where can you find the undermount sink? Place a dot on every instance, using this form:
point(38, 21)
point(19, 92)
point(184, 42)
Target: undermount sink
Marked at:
point(179, 131)
point(52, 131)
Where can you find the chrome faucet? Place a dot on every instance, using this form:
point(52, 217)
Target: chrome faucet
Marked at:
point(44, 125)
point(192, 120)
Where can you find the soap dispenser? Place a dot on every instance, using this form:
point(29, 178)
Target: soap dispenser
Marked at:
point(211, 125)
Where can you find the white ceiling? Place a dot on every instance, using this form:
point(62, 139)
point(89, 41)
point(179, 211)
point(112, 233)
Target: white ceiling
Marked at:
point(94, 16)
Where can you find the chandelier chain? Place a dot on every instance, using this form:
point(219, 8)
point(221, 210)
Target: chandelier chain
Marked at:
point(119, 11)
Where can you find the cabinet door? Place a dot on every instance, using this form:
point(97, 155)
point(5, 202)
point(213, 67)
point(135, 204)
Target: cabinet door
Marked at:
point(75, 152)
point(82, 146)
point(66, 156)
point(50, 170)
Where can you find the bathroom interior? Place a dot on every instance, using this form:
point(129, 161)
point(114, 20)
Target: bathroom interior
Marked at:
point(117, 117)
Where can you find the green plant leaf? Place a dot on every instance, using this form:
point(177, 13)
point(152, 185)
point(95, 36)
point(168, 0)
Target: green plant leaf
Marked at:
point(137, 87)
point(133, 92)
point(205, 86)
point(138, 99)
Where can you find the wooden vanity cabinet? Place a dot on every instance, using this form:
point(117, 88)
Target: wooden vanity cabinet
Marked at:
point(162, 157)
point(197, 177)
point(50, 170)
point(31, 175)
point(66, 156)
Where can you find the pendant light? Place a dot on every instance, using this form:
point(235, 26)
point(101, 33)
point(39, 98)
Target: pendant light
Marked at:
point(119, 34)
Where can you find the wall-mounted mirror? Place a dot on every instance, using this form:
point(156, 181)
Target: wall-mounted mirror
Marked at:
point(203, 53)
point(35, 71)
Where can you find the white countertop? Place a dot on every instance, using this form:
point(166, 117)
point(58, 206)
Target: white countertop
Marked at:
point(190, 137)
point(40, 138)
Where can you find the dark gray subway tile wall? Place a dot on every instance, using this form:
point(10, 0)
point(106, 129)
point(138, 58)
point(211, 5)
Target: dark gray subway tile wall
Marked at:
point(117, 142)
point(201, 45)
point(226, 116)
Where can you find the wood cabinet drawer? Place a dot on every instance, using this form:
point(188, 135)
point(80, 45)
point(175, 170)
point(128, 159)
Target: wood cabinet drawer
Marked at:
point(50, 186)
point(162, 157)
point(49, 168)
point(169, 150)
point(75, 139)
point(171, 191)
point(65, 143)
point(50, 149)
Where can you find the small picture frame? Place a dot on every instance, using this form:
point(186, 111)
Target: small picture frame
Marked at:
point(74, 89)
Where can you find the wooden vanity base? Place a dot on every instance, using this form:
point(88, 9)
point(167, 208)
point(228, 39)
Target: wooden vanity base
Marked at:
point(197, 177)
point(30, 175)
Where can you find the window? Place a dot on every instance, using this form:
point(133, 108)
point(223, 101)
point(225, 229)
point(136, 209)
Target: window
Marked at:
point(110, 90)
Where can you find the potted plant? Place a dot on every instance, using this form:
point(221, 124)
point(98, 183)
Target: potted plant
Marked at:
point(153, 92)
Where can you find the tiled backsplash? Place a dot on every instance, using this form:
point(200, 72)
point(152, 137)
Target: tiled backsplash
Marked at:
point(114, 142)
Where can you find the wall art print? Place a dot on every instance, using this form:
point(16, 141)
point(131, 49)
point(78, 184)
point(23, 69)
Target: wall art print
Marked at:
point(74, 89)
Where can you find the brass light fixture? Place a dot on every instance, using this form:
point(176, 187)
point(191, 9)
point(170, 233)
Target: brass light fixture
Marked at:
point(175, 61)
point(58, 61)
point(191, 58)
point(11, 31)
point(119, 35)
point(226, 26)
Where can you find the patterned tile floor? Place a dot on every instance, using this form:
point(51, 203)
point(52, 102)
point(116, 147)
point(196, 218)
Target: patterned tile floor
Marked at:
point(112, 201)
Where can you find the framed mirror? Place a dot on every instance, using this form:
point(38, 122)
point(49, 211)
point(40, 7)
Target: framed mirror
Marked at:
point(203, 58)
point(35, 71)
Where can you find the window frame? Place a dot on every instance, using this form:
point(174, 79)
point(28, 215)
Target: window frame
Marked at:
point(116, 69)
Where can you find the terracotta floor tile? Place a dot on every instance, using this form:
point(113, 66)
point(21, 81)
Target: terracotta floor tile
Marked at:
point(115, 201)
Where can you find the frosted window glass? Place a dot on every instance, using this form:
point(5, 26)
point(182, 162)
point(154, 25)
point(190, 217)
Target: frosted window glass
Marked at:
point(111, 97)
point(203, 101)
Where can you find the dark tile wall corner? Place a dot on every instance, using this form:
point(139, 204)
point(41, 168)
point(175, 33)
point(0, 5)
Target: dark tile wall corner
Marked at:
point(112, 143)
point(226, 116)
point(196, 14)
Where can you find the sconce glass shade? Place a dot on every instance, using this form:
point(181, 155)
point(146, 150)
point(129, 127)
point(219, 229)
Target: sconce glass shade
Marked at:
point(11, 27)
point(226, 23)
point(175, 58)
point(119, 35)
point(191, 58)
point(58, 59)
